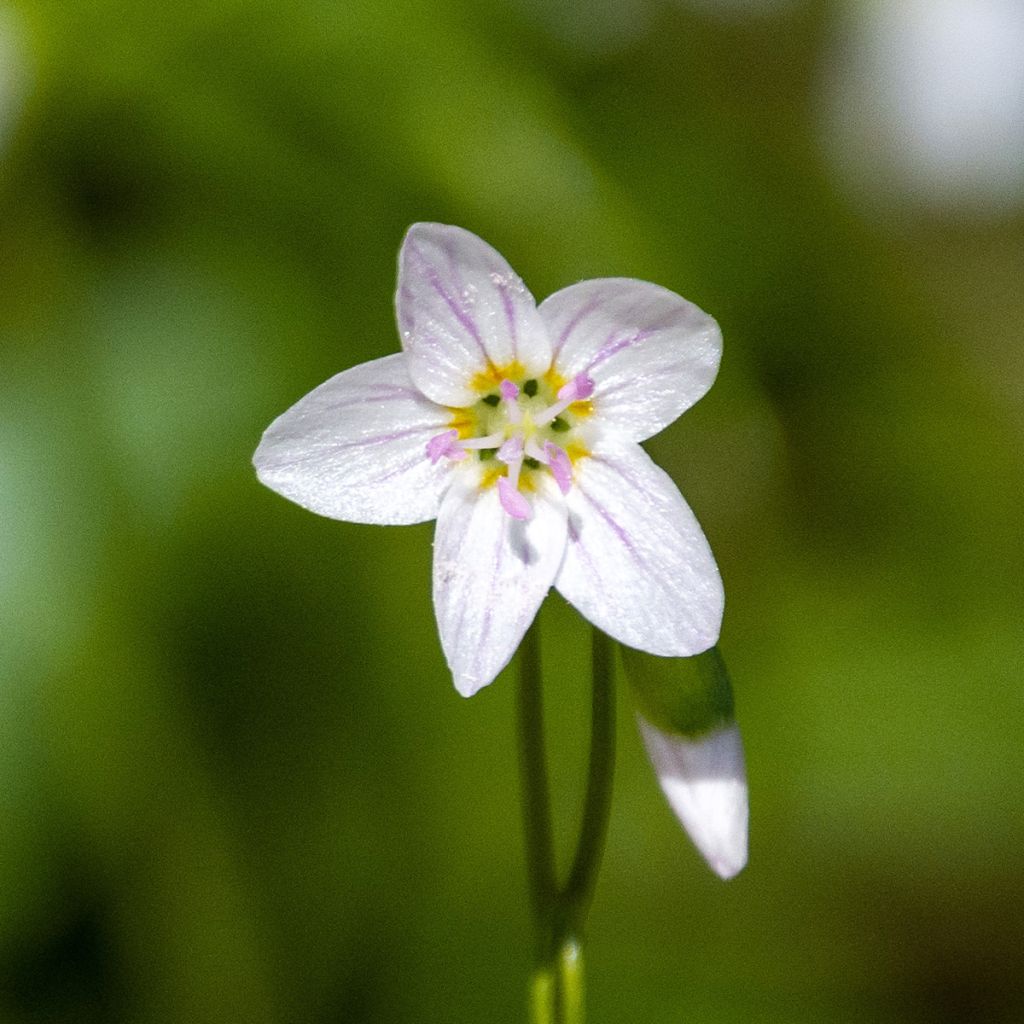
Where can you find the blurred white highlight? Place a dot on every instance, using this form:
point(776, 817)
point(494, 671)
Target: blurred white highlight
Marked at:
point(926, 97)
point(705, 782)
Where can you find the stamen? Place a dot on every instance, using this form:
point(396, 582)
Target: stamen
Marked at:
point(561, 466)
point(510, 392)
point(445, 446)
point(578, 389)
point(511, 453)
point(512, 501)
point(490, 441)
point(517, 443)
point(534, 450)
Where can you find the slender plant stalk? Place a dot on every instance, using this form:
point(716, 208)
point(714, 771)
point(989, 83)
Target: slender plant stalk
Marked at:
point(540, 847)
point(579, 889)
point(559, 914)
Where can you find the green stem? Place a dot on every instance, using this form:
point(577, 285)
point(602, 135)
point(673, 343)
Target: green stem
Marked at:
point(579, 890)
point(559, 914)
point(540, 847)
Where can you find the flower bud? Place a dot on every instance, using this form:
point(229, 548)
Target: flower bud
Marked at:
point(685, 714)
point(705, 782)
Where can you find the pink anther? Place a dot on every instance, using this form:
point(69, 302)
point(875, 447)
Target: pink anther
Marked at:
point(561, 466)
point(510, 392)
point(578, 389)
point(512, 500)
point(512, 450)
point(445, 446)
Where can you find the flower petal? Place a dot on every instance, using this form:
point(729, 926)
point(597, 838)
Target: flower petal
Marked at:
point(650, 353)
point(637, 564)
point(491, 573)
point(355, 448)
point(705, 781)
point(462, 310)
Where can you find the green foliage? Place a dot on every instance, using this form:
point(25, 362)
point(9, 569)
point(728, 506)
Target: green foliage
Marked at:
point(235, 781)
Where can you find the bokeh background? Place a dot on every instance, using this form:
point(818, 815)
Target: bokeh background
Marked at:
point(235, 781)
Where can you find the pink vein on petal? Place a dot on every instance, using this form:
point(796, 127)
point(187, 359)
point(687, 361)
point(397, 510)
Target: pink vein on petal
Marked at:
point(499, 557)
point(627, 474)
point(613, 345)
point(457, 311)
point(403, 468)
point(574, 537)
point(376, 399)
point(616, 528)
point(581, 313)
point(510, 316)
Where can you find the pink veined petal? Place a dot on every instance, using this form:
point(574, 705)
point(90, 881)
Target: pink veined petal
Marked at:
point(649, 352)
point(705, 782)
point(462, 310)
point(355, 448)
point(637, 564)
point(491, 573)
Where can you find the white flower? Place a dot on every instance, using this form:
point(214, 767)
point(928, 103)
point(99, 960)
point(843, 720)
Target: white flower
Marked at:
point(518, 428)
point(705, 781)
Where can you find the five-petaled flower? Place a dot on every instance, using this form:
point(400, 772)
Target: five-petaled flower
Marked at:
point(518, 427)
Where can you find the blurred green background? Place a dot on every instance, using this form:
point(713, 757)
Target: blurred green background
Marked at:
point(235, 781)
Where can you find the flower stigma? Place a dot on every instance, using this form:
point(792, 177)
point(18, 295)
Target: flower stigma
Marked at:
point(528, 428)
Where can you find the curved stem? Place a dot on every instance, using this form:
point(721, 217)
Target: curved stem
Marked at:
point(579, 889)
point(540, 849)
point(559, 914)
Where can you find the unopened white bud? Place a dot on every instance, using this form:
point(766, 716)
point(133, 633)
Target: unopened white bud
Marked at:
point(705, 781)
